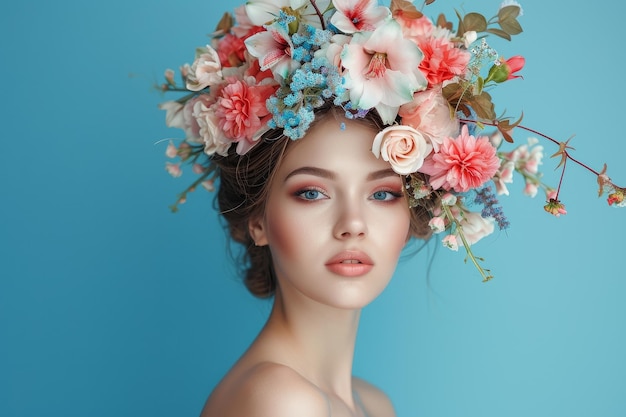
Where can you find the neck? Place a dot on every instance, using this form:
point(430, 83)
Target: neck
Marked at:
point(314, 339)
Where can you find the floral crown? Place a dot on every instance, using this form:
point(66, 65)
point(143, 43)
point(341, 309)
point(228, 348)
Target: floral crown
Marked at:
point(276, 61)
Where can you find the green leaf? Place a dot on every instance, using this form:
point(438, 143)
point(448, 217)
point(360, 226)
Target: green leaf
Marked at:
point(511, 26)
point(499, 33)
point(475, 21)
point(480, 83)
point(508, 12)
point(483, 106)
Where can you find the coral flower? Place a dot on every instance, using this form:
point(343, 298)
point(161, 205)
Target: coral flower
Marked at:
point(242, 112)
point(358, 15)
point(442, 60)
point(382, 70)
point(462, 163)
point(231, 51)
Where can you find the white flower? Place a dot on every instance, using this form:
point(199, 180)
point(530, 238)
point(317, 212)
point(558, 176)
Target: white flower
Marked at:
point(475, 226)
point(403, 147)
point(206, 70)
point(214, 139)
point(506, 3)
point(469, 37)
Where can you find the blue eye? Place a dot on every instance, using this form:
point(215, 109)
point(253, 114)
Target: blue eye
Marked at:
point(310, 195)
point(385, 195)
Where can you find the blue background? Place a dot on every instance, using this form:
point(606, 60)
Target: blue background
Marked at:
point(110, 305)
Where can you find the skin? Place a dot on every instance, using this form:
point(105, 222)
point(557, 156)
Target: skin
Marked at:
point(330, 199)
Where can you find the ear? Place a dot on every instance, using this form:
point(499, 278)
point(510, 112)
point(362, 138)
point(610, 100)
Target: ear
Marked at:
point(257, 230)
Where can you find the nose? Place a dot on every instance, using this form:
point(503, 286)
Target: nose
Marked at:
point(350, 222)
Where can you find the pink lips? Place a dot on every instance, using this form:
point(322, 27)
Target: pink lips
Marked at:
point(350, 264)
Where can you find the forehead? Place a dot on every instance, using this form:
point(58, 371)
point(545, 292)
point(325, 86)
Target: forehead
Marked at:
point(336, 144)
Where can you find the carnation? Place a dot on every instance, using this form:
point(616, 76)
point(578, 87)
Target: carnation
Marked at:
point(462, 163)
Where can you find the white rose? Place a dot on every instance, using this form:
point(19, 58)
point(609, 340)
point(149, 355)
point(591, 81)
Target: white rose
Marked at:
point(403, 147)
point(206, 70)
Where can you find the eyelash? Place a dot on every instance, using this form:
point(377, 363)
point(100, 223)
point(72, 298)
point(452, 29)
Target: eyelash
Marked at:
point(301, 194)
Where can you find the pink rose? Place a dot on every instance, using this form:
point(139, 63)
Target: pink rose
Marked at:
point(429, 112)
point(403, 147)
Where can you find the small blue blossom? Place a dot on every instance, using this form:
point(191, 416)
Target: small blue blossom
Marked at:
point(491, 207)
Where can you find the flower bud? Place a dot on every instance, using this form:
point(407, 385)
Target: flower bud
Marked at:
point(555, 207)
point(506, 70)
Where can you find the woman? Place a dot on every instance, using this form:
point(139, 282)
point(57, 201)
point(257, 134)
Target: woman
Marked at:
point(337, 131)
point(324, 233)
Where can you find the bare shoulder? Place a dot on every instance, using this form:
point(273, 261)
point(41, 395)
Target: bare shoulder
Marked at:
point(376, 402)
point(267, 390)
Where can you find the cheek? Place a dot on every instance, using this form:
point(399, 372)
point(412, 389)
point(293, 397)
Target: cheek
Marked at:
point(286, 231)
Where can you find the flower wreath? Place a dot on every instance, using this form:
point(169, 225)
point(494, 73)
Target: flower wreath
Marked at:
point(276, 61)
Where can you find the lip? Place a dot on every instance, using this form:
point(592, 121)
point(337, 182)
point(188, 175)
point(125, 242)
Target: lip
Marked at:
point(350, 263)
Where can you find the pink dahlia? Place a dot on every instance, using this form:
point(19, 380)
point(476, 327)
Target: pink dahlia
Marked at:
point(231, 50)
point(463, 163)
point(442, 60)
point(242, 113)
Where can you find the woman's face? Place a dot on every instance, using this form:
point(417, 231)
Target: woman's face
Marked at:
point(336, 220)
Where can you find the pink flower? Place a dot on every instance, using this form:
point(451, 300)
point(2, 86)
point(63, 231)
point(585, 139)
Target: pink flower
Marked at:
point(404, 147)
point(437, 224)
point(530, 189)
point(504, 176)
point(358, 15)
point(206, 70)
point(429, 112)
point(514, 65)
point(242, 113)
point(442, 60)
point(462, 163)
point(171, 151)
point(506, 69)
point(273, 47)
point(555, 207)
point(616, 198)
point(382, 70)
point(208, 185)
point(450, 242)
point(417, 29)
point(231, 50)
point(244, 24)
point(173, 169)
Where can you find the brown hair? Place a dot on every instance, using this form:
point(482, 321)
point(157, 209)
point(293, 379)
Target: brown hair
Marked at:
point(243, 189)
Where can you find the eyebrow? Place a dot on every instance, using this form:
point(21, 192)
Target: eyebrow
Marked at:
point(324, 173)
